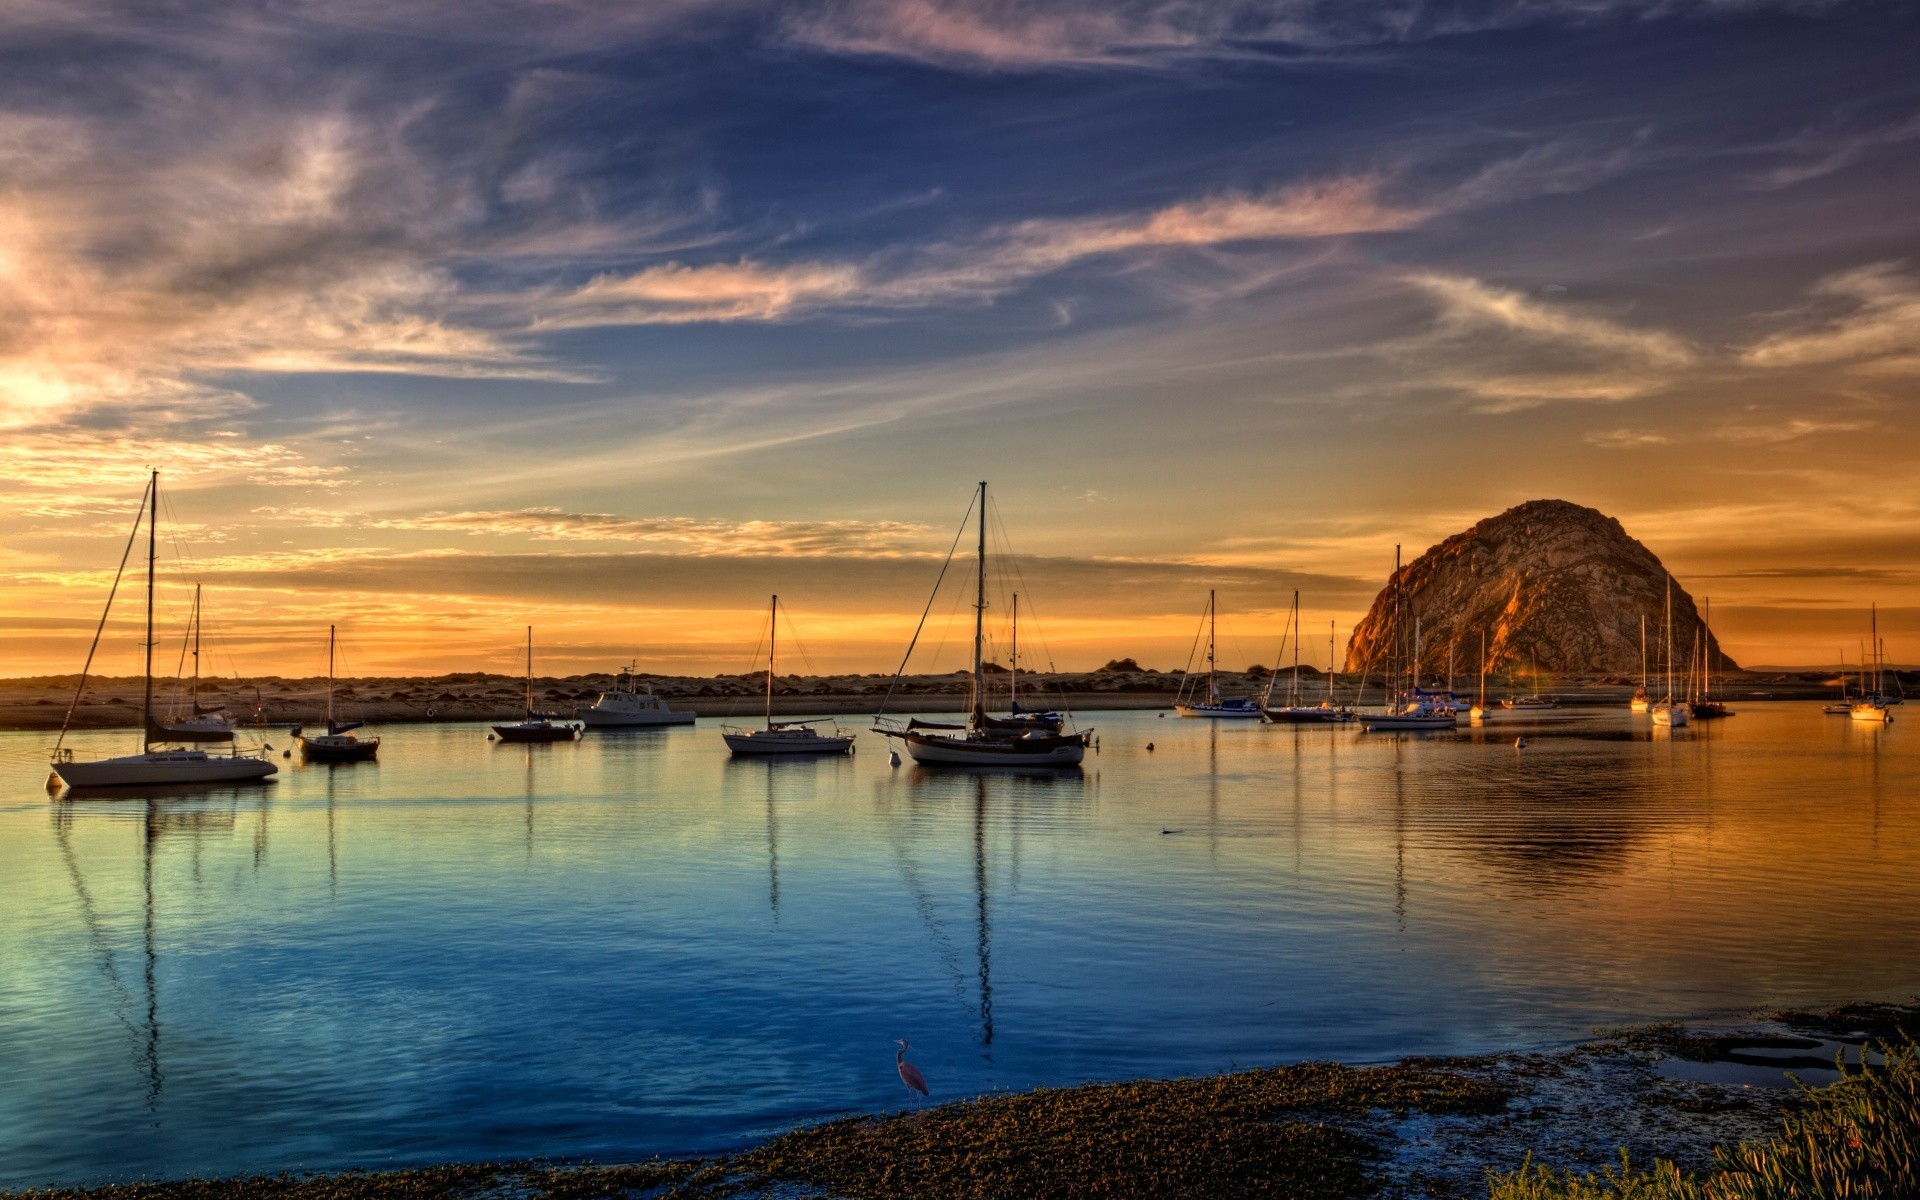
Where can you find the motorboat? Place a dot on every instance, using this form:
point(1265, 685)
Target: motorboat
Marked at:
point(631, 704)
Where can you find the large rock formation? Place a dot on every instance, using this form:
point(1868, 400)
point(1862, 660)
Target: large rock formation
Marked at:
point(1552, 585)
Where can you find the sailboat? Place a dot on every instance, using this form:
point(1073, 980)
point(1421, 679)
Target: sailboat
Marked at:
point(536, 726)
point(1408, 709)
point(1844, 705)
point(1641, 700)
point(1871, 707)
point(782, 737)
point(1296, 711)
point(337, 744)
point(1215, 705)
point(208, 723)
point(1704, 706)
point(630, 704)
point(151, 766)
point(1668, 712)
point(984, 741)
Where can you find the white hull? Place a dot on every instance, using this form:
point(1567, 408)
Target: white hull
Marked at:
point(162, 767)
point(1672, 716)
point(1642, 705)
point(594, 718)
point(1870, 713)
point(787, 741)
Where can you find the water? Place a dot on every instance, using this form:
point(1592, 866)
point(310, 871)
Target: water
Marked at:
point(632, 945)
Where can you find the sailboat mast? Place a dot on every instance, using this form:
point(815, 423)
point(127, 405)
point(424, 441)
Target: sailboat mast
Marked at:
point(529, 672)
point(980, 612)
point(153, 552)
point(773, 638)
point(1643, 652)
point(1013, 680)
point(1293, 684)
point(1331, 666)
point(1669, 639)
point(1212, 689)
point(196, 648)
point(330, 678)
point(1483, 668)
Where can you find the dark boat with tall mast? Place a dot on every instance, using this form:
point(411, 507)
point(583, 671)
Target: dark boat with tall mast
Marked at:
point(1215, 705)
point(1703, 706)
point(537, 726)
point(337, 744)
point(984, 741)
point(782, 737)
point(1296, 711)
point(150, 766)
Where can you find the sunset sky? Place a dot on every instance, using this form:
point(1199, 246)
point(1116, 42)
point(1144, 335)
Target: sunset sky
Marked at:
point(446, 317)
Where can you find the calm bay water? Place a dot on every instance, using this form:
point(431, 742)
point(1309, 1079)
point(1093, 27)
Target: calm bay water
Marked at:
point(633, 945)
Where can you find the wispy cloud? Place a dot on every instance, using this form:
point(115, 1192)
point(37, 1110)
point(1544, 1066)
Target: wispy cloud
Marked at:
point(1624, 439)
point(981, 267)
point(1471, 305)
point(1822, 151)
point(1880, 324)
point(684, 535)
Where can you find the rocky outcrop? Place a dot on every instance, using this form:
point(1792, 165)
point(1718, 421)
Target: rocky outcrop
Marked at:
point(1550, 584)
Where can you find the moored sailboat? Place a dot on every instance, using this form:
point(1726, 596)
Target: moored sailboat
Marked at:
point(1215, 705)
point(1410, 708)
point(1641, 700)
point(1669, 712)
point(1871, 707)
point(1296, 711)
point(782, 737)
point(204, 723)
point(536, 726)
point(1703, 706)
point(338, 743)
point(150, 766)
point(984, 741)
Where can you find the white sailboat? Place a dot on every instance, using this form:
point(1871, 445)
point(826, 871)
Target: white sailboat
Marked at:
point(1642, 702)
point(1238, 708)
point(782, 737)
point(630, 704)
point(337, 744)
point(151, 767)
point(1872, 707)
point(536, 726)
point(204, 724)
point(1668, 711)
point(984, 741)
point(1407, 709)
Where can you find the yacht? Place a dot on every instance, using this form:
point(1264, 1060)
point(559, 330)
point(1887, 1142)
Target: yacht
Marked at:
point(630, 704)
point(781, 737)
point(1667, 711)
point(152, 766)
point(1871, 708)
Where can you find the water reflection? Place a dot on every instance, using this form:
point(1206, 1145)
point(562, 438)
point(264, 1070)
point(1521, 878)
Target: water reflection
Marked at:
point(770, 924)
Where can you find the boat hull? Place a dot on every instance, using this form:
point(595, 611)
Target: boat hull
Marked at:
point(1393, 721)
point(996, 752)
point(599, 719)
point(536, 733)
point(1641, 705)
point(760, 745)
point(1220, 712)
point(1871, 714)
point(1672, 718)
point(163, 767)
point(1308, 716)
point(338, 749)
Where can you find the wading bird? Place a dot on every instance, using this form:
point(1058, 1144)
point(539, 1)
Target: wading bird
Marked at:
point(909, 1074)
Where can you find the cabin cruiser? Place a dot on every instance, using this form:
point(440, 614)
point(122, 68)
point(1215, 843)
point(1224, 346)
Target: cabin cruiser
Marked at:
point(630, 704)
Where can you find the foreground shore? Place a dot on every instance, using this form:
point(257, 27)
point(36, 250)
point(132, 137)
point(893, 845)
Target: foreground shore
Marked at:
point(1508, 1125)
point(43, 702)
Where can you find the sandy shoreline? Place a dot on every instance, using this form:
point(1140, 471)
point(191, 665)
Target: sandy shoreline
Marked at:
point(42, 702)
point(1417, 1128)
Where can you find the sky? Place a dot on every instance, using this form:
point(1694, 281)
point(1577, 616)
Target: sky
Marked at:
point(441, 319)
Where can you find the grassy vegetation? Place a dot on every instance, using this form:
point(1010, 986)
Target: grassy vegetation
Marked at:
point(1858, 1139)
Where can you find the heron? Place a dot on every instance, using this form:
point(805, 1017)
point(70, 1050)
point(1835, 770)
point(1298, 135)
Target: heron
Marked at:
point(909, 1074)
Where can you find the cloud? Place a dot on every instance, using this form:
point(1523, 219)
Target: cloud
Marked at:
point(1788, 430)
point(1025, 35)
point(1469, 305)
point(1624, 439)
point(685, 535)
point(976, 268)
point(1879, 327)
point(1824, 151)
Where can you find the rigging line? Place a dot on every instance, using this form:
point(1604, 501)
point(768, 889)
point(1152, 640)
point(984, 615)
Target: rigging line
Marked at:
point(905, 658)
point(80, 687)
point(793, 635)
point(1186, 672)
point(760, 639)
point(1020, 578)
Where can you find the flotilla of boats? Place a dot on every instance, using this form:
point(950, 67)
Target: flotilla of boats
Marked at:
point(170, 743)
